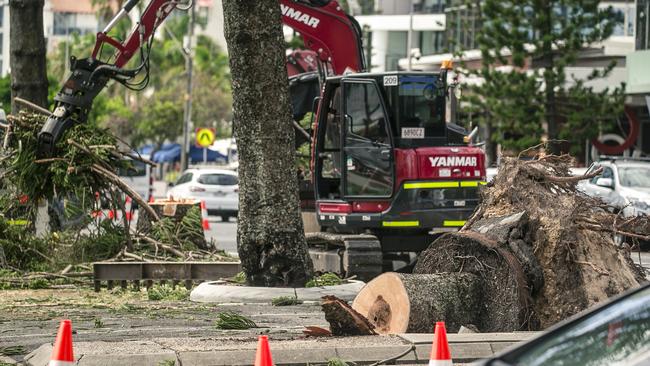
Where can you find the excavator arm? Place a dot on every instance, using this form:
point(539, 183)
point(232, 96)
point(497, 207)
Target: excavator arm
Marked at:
point(334, 36)
point(327, 30)
point(89, 76)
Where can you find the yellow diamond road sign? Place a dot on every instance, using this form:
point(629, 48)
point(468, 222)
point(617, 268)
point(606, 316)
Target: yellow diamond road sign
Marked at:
point(205, 136)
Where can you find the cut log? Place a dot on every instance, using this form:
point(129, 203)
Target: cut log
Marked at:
point(506, 305)
point(408, 303)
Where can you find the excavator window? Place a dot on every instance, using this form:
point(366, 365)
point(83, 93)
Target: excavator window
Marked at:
point(419, 104)
point(330, 155)
point(367, 149)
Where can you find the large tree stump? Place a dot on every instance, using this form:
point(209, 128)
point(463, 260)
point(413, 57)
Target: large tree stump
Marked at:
point(176, 211)
point(506, 304)
point(409, 303)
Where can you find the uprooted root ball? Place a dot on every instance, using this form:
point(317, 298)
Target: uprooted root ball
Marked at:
point(555, 242)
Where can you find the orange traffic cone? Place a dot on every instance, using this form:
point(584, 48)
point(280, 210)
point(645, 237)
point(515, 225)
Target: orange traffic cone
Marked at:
point(263, 357)
point(440, 355)
point(62, 351)
point(204, 216)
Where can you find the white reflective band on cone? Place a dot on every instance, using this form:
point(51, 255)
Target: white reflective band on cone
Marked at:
point(61, 363)
point(440, 363)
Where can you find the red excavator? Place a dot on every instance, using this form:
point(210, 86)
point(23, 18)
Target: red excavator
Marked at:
point(388, 171)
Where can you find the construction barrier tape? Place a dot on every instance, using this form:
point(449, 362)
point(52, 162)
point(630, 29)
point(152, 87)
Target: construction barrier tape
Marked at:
point(449, 184)
point(400, 223)
point(455, 223)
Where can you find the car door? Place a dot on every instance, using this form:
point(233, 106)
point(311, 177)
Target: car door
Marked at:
point(367, 152)
point(594, 190)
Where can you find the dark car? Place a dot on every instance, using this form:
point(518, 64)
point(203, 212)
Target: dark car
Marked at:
point(614, 333)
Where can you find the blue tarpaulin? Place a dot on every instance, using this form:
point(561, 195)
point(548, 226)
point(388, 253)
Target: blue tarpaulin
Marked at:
point(172, 152)
point(196, 155)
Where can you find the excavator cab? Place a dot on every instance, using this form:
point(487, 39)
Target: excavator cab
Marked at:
point(387, 162)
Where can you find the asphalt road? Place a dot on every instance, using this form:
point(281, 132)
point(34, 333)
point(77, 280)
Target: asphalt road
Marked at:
point(224, 234)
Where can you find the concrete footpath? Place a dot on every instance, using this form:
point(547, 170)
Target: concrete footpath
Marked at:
point(308, 351)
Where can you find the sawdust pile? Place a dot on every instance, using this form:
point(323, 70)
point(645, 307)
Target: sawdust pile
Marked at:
point(543, 250)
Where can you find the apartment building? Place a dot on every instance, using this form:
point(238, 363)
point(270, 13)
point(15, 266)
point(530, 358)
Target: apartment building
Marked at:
point(388, 28)
point(61, 18)
point(638, 74)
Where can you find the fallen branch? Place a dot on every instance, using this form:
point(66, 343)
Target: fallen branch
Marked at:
point(555, 179)
point(32, 106)
point(134, 256)
point(164, 246)
point(48, 160)
point(125, 188)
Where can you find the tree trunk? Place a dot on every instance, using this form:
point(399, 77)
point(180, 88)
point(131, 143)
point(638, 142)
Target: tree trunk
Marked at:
point(413, 303)
point(27, 52)
point(271, 240)
point(550, 81)
point(505, 304)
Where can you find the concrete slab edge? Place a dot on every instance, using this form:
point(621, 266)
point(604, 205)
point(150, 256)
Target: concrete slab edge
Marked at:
point(216, 292)
point(461, 352)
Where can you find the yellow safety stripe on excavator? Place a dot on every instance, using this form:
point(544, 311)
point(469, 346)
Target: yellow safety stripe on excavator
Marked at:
point(431, 185)
point(400, 223)
point(449, 184)
point(18, 222)
point(455, 223)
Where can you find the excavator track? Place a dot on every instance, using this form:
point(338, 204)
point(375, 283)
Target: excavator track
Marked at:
point(346, 254)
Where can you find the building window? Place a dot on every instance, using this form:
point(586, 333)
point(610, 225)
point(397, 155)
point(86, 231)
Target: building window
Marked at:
point(432, 43)
point(429, 7)
point(642, 24)
point(2, 16)
point(396, 49)
point(463, 22)
point(619, 28)
point(64, 23)
point(630, 18)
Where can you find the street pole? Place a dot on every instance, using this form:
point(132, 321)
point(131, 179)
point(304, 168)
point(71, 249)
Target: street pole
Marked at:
point(187, 113)
point(409, 41)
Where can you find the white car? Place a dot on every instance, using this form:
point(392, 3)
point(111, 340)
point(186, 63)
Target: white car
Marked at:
point(219, 189)
point(624, 184)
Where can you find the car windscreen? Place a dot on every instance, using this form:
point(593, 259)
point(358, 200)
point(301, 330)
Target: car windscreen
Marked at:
point(133, 168)
point(218, 179)
point(636, 176)
point(618, 334)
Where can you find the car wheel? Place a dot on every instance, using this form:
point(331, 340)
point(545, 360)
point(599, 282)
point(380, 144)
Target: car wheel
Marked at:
point(225, 218)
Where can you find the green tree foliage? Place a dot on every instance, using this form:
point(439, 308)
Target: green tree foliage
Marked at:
point(155, 115)
point(5, 93)
point(526, 47)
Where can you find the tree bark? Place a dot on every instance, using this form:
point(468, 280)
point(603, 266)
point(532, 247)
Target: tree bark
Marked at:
point(413, 303)
point(27, 53)
point(271, 240)
point(505, 304)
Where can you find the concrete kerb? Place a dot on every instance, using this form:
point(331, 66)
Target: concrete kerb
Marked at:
point(285, 352)
point(220, 292)
point(6, 360)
